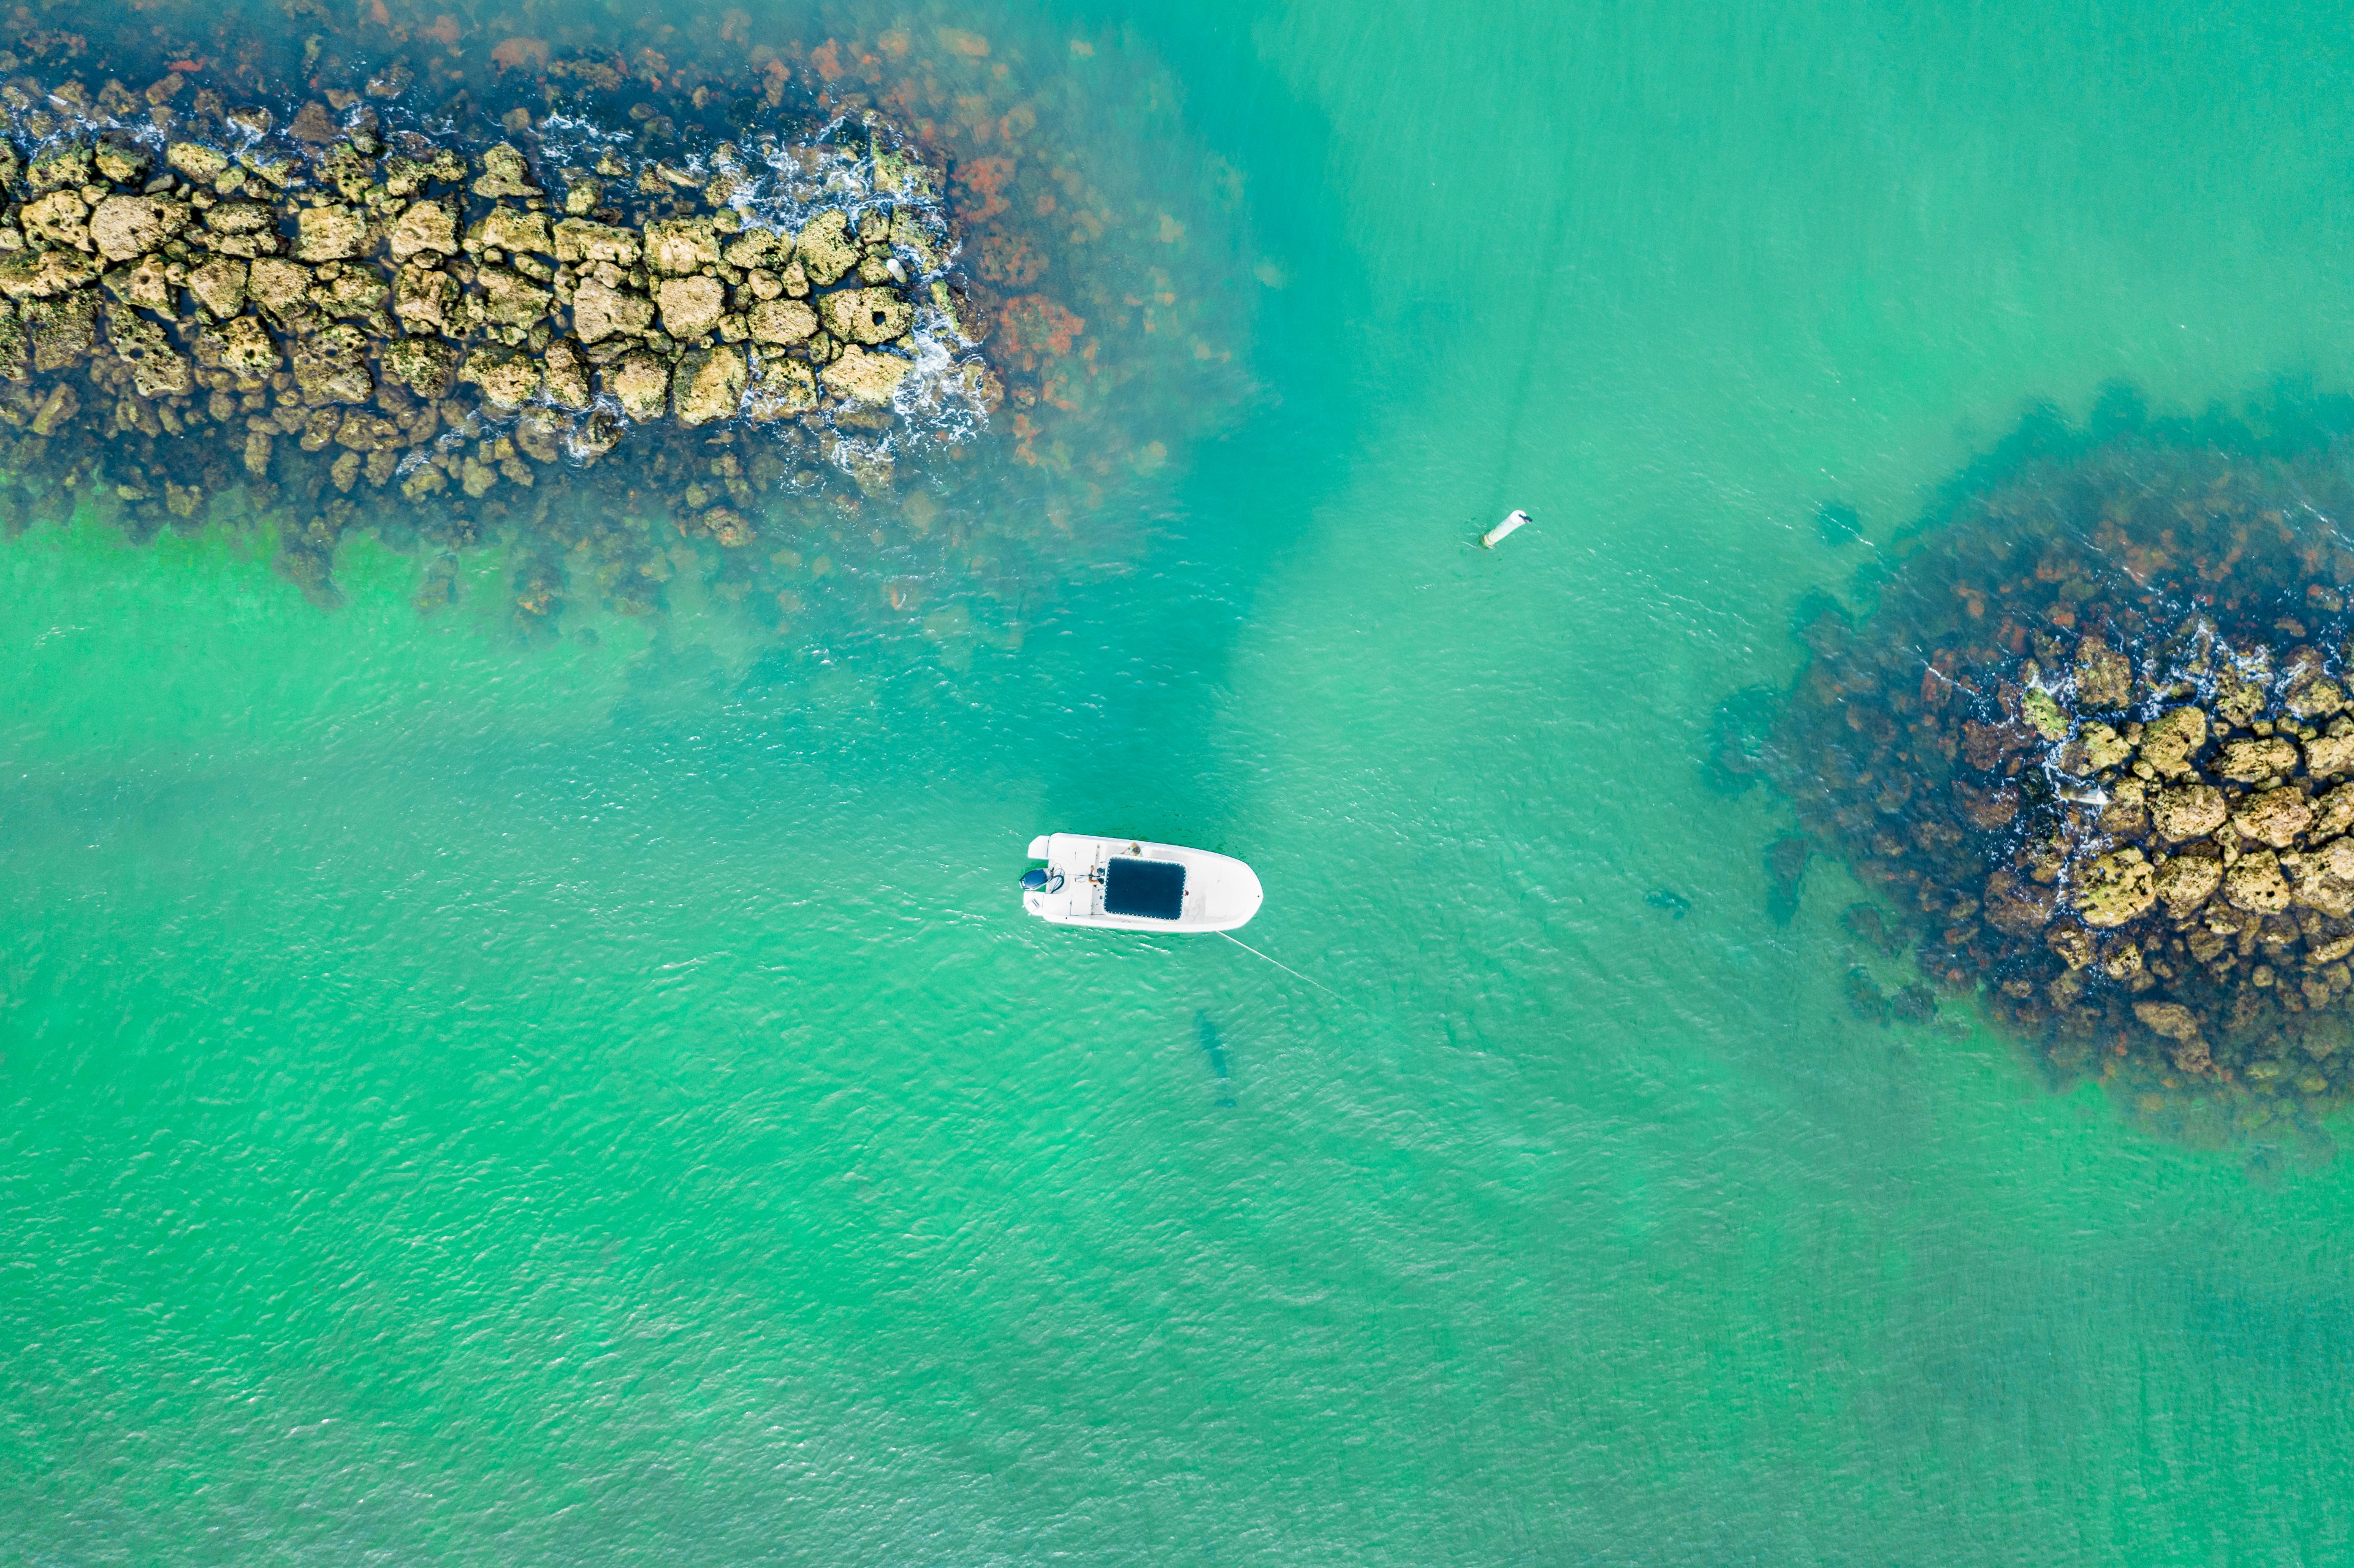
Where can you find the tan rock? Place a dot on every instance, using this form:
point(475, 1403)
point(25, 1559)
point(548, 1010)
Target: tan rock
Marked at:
point(242, 228)
point(2252, 761)
point(62, 330)
point(763, 247)
point(2255, 882)
point(56, 166)
point(509, 299)
point(158, 370)
point(257, 453)
point(2315, 696)
point(2274, 817)
point(878, 315)
point(44, 274)
point(824, 249)
point(690, 306)
point(2333, 859)
point(246, 349)
point(783, 322)
point(331, 365)
point(641, 384)
point(2328, 756)
point(2070, 944)
point(2238, 700)
point(907, 233)
point(277, 287)
point(361, 432)
point(425, 365)
point(2188, 810)
point(424, 297)
point(536, 434)
point(861, 376)
point(2185, 882)
point(568, 377)
point(352, 292)
point(709, 385)
point(507, 380)
point(219, 286)
point(577, 239)
point(2172, 739)
point(600, 313)
point(329, 233)
point(425, 229)
point(515, 230)
point(2103, 746)
point(61, 217)
point(780, 388)
point(2126, 816)
point(147, 283)
point(2333, 813)
point(200, 162)
point(57, 410)
point(2117, 887)
point(123, 226)
point(2324, 878)
point(506, 172)
point(677, 246)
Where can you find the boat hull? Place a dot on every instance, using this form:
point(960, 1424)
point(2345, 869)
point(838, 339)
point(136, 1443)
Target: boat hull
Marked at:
point(1135, 885)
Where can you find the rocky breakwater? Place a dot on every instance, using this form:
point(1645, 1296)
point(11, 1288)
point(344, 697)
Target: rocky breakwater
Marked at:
point(198, 299)
point(2096, 747)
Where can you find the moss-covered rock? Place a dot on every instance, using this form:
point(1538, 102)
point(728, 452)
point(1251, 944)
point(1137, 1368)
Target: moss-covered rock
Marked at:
point(825, 249)
point(2169, 744)
point(640, 382)
point(709, 385)
point(2115, 889)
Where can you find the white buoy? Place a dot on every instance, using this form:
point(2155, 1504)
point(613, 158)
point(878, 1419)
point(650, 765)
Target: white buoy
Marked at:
point(1502, 531)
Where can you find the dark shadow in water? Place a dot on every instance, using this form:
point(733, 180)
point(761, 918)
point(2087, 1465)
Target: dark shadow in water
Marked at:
point(1205, 1033)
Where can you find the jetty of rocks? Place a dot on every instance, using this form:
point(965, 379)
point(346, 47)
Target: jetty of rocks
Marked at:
point(2094, 747)
point(443, 317)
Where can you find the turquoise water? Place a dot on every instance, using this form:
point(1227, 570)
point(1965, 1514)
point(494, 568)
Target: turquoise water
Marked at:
point(476, 1101)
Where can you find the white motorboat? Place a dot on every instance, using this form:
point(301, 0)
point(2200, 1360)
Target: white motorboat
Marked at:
point(1129, 884)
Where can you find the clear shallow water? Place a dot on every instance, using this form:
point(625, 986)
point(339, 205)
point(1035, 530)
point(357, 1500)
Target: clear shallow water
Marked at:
point(481, 1103)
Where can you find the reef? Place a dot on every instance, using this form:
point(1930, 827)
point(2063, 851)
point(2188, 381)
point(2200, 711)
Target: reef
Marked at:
point(2094, 749)
point(455, 287)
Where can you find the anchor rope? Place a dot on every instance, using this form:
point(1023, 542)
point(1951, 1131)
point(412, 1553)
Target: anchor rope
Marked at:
point(1286, 969)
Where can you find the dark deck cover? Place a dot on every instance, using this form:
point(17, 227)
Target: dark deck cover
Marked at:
point(1150, 889)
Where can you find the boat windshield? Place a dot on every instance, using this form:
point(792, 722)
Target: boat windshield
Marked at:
point(1149, 889)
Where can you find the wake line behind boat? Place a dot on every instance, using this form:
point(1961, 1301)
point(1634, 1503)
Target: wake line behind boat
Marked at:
point(1131, 884)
